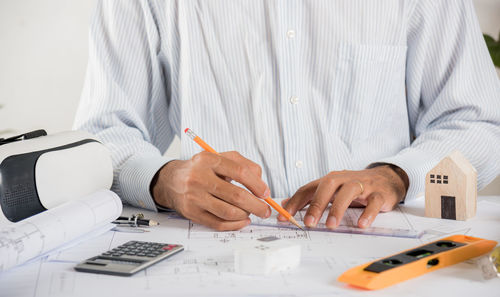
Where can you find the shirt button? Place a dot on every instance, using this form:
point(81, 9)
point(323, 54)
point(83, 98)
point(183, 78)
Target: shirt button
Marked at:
point(290, 34)
point(299, 164)
point(294, 100)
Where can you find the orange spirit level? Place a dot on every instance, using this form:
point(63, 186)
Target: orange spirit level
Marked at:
point(411, 263)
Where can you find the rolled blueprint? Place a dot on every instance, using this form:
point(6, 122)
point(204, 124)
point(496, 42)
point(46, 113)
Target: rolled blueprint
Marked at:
point(53, 228)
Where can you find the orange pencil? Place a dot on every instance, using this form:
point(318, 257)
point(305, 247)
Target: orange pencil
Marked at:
point(269, 201)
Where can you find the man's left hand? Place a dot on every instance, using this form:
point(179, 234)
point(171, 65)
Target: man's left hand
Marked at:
point(377, 189)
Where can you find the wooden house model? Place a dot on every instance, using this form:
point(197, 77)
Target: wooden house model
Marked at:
point(451, 189)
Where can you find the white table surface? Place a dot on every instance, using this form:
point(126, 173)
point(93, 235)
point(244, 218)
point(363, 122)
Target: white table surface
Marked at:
point(206, 267)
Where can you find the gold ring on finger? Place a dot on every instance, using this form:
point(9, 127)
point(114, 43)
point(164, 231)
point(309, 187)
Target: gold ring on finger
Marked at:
point(361, 186)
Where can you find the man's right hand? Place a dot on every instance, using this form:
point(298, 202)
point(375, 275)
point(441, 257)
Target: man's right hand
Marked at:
point(200, 189)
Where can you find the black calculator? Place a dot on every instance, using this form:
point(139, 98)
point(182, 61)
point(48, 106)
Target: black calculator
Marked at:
point(129, 258)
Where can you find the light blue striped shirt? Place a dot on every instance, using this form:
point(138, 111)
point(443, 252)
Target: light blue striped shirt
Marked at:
point(299, 87)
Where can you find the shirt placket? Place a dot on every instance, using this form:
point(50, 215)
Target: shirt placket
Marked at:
point(291, 99)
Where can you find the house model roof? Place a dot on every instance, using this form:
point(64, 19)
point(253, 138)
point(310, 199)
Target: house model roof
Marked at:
point(459, 160)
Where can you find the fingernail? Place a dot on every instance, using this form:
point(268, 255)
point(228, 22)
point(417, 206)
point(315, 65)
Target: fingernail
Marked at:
point(309, 220)
point(331, 222)
point(267, 193)
point(363, 222)
point(268, 213)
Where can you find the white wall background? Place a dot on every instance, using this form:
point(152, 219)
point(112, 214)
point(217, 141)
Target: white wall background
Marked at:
point(43, 56)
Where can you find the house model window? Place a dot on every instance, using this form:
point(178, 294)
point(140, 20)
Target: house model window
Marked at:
point(438, 179)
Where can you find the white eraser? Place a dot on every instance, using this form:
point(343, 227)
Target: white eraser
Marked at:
point(266, 255)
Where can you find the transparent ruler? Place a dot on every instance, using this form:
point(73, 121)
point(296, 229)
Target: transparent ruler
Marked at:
point(377, 231)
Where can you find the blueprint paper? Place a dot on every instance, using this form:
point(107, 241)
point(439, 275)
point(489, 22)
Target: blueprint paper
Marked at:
point(44, 232)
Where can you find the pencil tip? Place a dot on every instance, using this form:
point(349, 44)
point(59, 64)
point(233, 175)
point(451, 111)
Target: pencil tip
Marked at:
point(295, 223)
point(186, 130)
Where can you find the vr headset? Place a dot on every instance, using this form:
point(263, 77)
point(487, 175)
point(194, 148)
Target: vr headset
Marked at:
point(40, 171)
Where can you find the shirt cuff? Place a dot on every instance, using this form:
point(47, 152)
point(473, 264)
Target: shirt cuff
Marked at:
point(135, 179)
point(416, 163)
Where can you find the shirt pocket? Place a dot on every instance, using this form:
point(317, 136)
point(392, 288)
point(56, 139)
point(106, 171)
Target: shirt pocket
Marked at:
point(369, 79)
